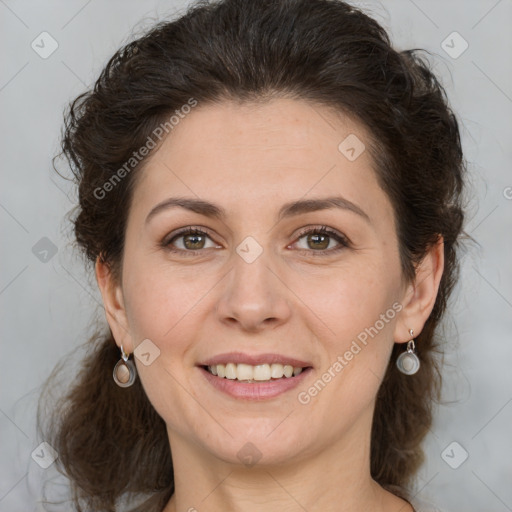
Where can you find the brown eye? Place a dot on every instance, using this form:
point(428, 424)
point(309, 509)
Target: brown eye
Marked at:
point(318, 240)
point(188, 240)
point(194, 241)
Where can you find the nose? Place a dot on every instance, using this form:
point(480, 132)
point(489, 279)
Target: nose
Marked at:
point(253, 297)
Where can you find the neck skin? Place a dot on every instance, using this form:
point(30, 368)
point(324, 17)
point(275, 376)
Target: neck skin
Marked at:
point(334, 479)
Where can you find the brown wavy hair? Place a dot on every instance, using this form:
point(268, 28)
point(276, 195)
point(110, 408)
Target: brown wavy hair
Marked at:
point(111, 442)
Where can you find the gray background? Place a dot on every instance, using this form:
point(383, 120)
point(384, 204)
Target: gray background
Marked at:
point(47, 306)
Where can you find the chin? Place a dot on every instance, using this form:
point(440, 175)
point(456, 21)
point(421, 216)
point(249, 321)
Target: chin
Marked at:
point(262, 446)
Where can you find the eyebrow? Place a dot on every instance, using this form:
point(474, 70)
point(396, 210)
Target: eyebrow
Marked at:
point(290, 209)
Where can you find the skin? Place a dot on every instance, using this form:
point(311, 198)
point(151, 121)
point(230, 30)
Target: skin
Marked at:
point(251, 159)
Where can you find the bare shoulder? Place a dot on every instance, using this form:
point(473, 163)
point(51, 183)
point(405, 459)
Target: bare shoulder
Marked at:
point(421, 505)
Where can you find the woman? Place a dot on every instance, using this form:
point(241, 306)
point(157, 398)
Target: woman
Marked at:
point(271, 198)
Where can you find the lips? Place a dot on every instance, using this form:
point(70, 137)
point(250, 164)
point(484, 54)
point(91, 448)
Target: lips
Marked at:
point(254, 389)
point(264, 390)
point(254, 360)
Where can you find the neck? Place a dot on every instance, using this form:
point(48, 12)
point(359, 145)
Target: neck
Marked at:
point(334, 479)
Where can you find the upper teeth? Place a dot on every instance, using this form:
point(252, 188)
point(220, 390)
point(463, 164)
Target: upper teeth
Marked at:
point(258, 372)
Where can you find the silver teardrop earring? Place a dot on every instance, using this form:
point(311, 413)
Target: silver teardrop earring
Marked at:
point(408, 361)
point(125, 371)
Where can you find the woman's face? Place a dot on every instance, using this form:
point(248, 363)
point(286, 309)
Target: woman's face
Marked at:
point(257, 283)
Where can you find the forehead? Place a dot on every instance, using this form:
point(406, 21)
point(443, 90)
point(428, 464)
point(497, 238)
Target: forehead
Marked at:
point(255, 154)
point(279, 124)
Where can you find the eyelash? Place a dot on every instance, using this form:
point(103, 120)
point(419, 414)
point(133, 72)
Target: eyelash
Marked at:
point(323, 230)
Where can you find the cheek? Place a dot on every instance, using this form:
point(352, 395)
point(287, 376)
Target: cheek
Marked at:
point(359, 309)
point(351, 299)
point(158, 298)
point(161, 306)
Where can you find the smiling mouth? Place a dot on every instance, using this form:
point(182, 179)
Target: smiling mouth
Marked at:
point(254, 374)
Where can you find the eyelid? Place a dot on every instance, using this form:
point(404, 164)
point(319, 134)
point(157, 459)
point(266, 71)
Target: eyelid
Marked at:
point(184, 231)
point(343, 240)
point(320, 228)
point(199, 230)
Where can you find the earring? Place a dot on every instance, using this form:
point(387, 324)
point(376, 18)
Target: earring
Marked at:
point(124, 371)
point(408, 362)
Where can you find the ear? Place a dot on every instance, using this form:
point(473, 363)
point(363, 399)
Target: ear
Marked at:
point(113, 301)
point(420, 295)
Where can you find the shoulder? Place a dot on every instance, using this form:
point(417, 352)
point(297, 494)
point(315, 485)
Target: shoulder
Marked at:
point(418, 503)
point(421, 505)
